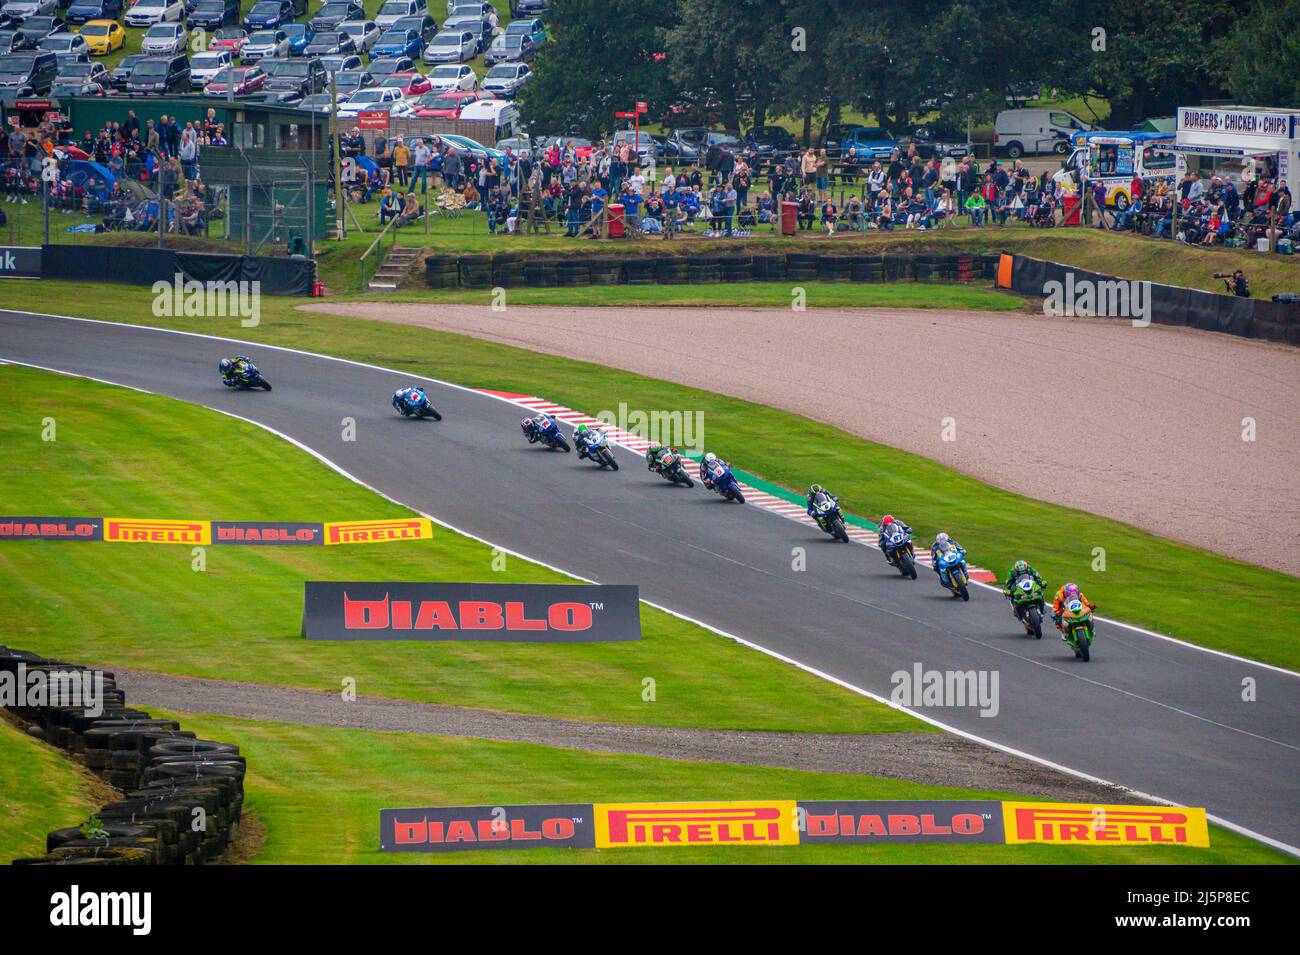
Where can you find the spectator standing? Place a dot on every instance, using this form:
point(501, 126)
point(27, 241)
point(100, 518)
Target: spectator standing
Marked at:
point(421, 170)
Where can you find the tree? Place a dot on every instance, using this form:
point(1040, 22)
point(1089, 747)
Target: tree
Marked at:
point(603, 56)
point(1262, 55)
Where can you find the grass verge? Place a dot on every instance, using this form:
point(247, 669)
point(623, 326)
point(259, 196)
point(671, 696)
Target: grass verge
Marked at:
point(319, 791)
point(128, 453)
point(1170, 587)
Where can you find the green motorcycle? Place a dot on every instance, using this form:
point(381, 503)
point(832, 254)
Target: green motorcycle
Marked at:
point(1026, 596)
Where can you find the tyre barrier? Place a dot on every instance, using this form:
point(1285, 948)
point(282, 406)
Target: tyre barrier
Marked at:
point(1168, 304)
point(182, 797)
point(515, 269)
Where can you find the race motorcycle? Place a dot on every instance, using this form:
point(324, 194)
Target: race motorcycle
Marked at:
point(552, 438)
point(1076, 625)
point(828, 517)
point(951, 566)
point(417, 406)
point(724, 482)
point(897, 547)
point(1027, 604)
point(245, 375)
point(596, 448)
point(673, 470)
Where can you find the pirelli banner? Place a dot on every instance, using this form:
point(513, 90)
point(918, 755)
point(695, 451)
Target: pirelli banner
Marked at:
point(781, 822)
point(135, 530)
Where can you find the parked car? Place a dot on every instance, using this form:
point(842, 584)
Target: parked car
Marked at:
point(75, 78)
point(30, 73)
point(446, 104)
point(64, 43)
point(833, 139)
point(300, 76)
point(693, 142)
point(452, 77)
point(243, 80)
point(160, 74)
point(349, 81)
point(229, 38)
point(83, 11)
point(867, 144)
point(398, 43)
point(118, 76)
point(505, 79)
point(213, 14)
point(510, 48)
point(335, 12)
point(373, 98)
point(329, 43)
point(164, 39)
point(340, 62)
point(265, 45)
point(315, 103)
point(383, 66)
point(1020, 131)
point(767, 141)
point(300, 37)
point(450, 47)
point(421, 23)
point(268, 15)
point(363, 33)
point(145, 13)
point(15, 40)
point(472, 25)
point(393, 10)
point(21, 10)
point(520, 7)
point(931, 142)
point(532, 27)
point(40, 27)
point(471, 8)
point(204, 66)
point(103, 36)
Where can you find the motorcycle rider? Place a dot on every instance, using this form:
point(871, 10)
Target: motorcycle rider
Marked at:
point(408, 400)
point(813, 491)
point(1068, 592)
point(942, 545)
point(233, 370)
point(538, 426)
point(1019, 569)
point(889, 524)
point(654, 457)
point(582, 436)
point(709, 461)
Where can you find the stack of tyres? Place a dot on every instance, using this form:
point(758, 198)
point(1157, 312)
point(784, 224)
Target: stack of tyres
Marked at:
point(540, 272)
point(442, 271)
point(769, 267)
point(639, 271)
point(507, 270)
point(183, 797)
point(671, 271)
point(605, 271)
point(572, 272)
point(801, 267)
point(476, 271)
point(867, 268)
point(737, 268)
point(833, 268)
point(704, 269)
point(899, 268)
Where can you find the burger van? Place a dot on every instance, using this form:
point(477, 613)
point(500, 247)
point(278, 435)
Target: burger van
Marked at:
point(1116, 159)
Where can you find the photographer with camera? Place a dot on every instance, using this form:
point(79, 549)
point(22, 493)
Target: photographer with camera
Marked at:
point(1235, 283)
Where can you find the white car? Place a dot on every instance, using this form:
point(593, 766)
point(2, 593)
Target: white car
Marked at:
point(148, 12)
point(506, 78)
point(450, 46)
point(394, 10)
point(165, 39)
point(265, 45)
point(64, 44)
point(444, 78)
point(204, 66)
point(22, 9)
point(364, 33)
point(376, 97)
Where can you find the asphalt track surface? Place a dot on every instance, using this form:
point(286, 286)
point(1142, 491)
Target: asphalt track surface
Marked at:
point(1154, 715)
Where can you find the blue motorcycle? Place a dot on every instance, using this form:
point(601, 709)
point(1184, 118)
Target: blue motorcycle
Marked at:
point(826, 512)
point(244, 374)
point(414, 403)
point(897, 548)
point(721, 480)
point(549, 436)
point(593, 446)
point(951, 568)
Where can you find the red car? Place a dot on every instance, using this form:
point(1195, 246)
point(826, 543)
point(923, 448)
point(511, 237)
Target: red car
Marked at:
point(447, 104)
point(229, 38)
point(247, 79)
point(411, 84)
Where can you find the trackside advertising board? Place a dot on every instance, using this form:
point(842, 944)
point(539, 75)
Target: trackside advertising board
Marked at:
point(784, 822)
point(534, 613)
point(134, 530)
point(52, 528)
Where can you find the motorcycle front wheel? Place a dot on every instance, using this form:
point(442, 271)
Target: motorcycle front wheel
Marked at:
point(839, 531)
point(1035, 623)
point(266, 385)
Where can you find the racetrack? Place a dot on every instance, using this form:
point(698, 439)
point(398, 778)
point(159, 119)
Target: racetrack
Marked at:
point(1154, 715)
point(1143, 425)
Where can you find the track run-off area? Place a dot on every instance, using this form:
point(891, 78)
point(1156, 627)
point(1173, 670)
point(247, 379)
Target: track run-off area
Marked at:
point(1158, 716)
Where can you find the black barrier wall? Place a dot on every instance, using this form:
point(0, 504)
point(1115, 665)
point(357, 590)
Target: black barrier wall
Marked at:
point(1173, 305)
point(133, 266)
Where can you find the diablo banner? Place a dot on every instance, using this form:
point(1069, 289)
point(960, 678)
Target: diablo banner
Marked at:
point(266, 532)
point(890, 821)
point(51, 528)
point(455, 828)
point(540, 613)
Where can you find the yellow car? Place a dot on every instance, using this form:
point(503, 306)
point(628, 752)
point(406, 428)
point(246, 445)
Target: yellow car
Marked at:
point(103, 36)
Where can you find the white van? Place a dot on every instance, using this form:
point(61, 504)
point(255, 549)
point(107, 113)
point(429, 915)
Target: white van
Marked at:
point(1020, 131)
point(503, 114)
